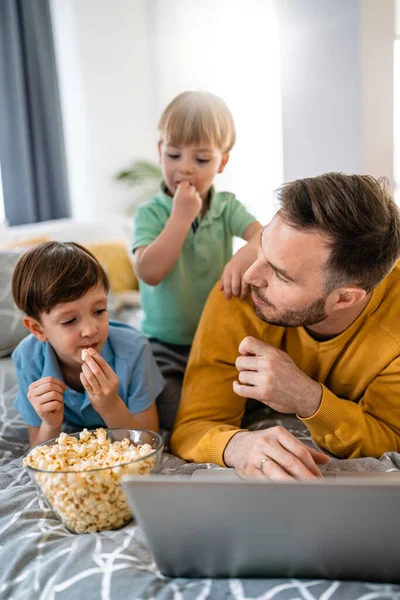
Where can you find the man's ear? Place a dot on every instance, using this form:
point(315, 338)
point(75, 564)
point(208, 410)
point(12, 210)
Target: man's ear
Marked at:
point(35, 328)
point(224, 162)
point(345, 297)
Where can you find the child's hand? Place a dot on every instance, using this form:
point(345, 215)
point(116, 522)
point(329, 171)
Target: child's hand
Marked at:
point(187, 202)
point(100, 381)
point(232, 281)
point(47, 397)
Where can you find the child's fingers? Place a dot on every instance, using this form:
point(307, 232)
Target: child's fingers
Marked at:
point(48, 386)
point(236, 284)
point(85, 383)
point(50, 382)
point(50, 397)
point(53, 406)
point(39, 400)
point(93, 376)
point(97, 364)
point(227, 288)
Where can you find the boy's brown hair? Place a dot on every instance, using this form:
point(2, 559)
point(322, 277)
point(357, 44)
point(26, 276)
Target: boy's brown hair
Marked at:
point(54, 272)
point(196, 117)
point(359, 218)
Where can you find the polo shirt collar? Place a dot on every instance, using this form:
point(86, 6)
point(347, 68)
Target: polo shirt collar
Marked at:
point(107, 354)
point(217, 203)
point(51, 368)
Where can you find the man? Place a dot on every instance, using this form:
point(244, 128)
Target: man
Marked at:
point(319, 337)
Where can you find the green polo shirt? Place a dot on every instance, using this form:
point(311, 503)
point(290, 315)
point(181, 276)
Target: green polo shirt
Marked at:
point(172, 308)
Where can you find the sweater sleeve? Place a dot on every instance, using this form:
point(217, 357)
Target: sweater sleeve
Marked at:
point(368, 427)
point(210, 412)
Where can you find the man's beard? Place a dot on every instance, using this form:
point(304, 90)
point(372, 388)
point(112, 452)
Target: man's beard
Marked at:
point(312, 314)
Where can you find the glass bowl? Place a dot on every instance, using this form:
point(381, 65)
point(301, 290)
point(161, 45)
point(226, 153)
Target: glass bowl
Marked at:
point(88, 499)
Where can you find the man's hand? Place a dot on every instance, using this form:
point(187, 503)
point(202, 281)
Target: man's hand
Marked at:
point(100, 382)
point(47, 398)
point(270, 375)
point(187, 202)
point(273, 454)
point(232, 281)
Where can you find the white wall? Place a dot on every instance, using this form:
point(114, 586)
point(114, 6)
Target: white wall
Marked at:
point(377, 36)
point(120, 63)
point(238, 61)
point(102, 50)
point(337, 86)
point(397, 18)
point(397, 105)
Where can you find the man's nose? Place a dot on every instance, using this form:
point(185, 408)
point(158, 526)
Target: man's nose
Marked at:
point(89, 327)
point(256, 274)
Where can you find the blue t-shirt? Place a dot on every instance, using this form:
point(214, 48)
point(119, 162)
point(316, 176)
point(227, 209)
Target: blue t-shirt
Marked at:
point(126, 350)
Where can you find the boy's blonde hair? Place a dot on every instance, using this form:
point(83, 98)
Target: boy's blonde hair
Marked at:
point(196, 117)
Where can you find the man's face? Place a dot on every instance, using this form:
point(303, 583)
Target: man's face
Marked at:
point(287, 279)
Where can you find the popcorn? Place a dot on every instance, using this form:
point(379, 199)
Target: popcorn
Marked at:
point(84, 354)
point(84, 488)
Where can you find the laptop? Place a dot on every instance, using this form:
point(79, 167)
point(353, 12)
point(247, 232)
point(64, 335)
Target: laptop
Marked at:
point(217, 525)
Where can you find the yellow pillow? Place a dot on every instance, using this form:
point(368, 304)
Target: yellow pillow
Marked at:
point(114, 258)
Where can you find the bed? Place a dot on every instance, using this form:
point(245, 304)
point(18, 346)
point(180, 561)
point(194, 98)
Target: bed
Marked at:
point(41, 559)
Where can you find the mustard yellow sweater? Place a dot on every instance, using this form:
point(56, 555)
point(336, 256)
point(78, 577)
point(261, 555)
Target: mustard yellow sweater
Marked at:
point(359, 371)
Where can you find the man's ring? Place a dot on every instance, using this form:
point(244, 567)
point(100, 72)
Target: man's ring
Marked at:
point(262, 463)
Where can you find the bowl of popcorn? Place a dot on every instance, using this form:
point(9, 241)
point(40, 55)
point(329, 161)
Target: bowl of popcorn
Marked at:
point(79, 475)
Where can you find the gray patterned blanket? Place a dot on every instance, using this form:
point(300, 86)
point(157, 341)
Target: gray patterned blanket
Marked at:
point(41, 560)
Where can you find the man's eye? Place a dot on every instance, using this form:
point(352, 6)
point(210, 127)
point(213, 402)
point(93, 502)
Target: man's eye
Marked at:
point(203, 160)
point(173, 155)
point(100, 311)
point(281, 278)
point(70, 322)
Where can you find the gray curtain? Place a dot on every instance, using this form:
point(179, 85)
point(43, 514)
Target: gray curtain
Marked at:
point(31, 139)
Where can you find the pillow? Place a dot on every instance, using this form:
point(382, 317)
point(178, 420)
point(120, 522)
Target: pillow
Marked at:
point(115, 260)
point(12, 329)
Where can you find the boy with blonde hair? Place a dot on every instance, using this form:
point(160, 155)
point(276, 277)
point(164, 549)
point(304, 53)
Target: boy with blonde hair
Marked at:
point(183, 236)
point(77, 368)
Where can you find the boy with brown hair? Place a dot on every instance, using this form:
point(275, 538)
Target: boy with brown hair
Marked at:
point(77, 367)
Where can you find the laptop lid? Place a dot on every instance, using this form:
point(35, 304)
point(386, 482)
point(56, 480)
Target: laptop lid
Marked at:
point(334, 529)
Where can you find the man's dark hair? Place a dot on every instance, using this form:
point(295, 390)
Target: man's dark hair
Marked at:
point(54, 272)
point(359, 218)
